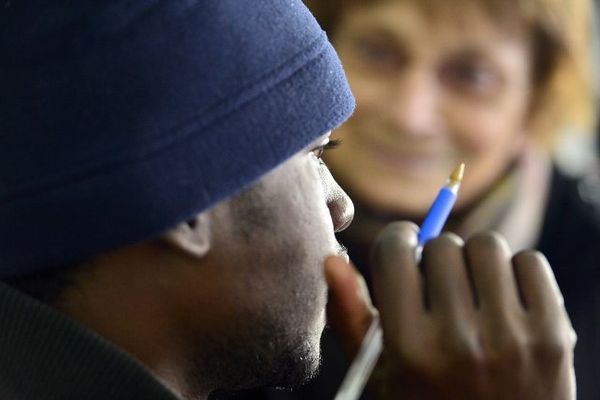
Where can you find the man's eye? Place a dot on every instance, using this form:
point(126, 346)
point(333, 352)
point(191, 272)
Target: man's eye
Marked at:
point(320, 151)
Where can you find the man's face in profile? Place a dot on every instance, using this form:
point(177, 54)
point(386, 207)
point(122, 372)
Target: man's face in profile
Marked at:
point(269, 244)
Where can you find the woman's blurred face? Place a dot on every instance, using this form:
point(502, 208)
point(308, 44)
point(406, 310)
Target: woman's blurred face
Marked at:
point(431, 93)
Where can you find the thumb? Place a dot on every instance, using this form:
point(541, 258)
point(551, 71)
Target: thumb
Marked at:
point(349, 309)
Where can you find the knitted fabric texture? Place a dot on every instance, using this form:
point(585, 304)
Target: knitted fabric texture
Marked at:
point(120, 119)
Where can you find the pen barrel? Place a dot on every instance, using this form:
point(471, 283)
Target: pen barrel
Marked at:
point(437, 215)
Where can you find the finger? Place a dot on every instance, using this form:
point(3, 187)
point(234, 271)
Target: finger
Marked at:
point(447, 283)
point(538, 288)
point(397, 281)
point(349, 309)
point(544, 304)
point(488, 258)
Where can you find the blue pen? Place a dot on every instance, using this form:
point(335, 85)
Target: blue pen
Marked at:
point(372, 344)
point(442, 205)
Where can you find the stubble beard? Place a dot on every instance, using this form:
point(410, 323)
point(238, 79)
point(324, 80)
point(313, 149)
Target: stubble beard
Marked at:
point(274, 345)
point(263, 353)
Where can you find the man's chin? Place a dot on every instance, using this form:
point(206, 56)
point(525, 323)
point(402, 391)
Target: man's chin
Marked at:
point(267, 358)
point(301, 367)
point(295, 365)
point(288, 372)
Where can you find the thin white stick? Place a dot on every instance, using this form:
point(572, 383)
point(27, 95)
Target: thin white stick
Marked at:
point(363, 364)
point(370, 349)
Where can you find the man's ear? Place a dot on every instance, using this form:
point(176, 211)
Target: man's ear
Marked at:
point(193, 236)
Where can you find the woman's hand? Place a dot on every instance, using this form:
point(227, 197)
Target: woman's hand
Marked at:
point(474, 324)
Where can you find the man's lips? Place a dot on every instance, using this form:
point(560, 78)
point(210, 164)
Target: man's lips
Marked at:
point(342, 251)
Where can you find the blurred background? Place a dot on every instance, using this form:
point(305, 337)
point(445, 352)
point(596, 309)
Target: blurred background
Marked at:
point(577, 150)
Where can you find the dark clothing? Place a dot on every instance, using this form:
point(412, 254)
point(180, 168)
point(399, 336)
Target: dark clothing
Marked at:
point(45, 355)
point(570, 239)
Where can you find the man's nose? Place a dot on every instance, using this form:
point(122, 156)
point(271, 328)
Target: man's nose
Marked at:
point(341, 209)
point(340, 206)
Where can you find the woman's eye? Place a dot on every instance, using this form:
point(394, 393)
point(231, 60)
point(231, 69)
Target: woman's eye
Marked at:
point(374, 51)
point(377, 54)
point(472, 75)
point(474, 78)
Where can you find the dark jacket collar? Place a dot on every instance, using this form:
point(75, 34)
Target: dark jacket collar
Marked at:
point(46, 355)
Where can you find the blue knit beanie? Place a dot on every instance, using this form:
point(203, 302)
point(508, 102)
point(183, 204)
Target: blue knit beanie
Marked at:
point(120, 119)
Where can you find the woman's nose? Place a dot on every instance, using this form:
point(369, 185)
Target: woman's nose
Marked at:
point(413, 105)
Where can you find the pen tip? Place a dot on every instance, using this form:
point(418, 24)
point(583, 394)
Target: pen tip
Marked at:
point(458, 173)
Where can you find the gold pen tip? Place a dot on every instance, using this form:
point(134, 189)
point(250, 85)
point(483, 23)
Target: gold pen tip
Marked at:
point(458, 173)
